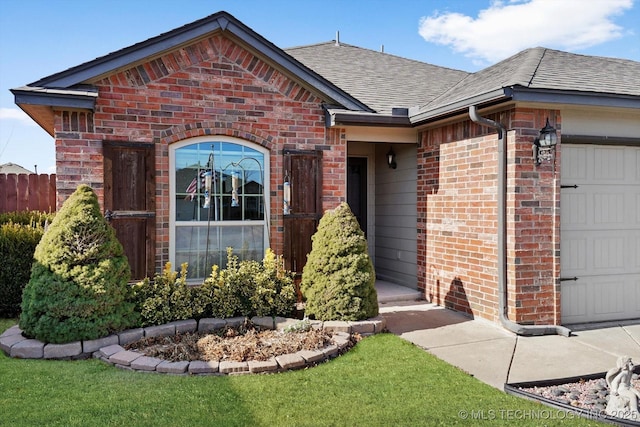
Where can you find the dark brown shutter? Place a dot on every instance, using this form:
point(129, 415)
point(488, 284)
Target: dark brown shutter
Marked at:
point(304, 169)
point(129, 199)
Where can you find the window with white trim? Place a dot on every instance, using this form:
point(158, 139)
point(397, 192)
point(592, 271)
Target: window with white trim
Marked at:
point(219, 200)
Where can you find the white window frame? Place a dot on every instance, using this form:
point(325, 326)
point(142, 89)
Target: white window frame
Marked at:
point(172, 190)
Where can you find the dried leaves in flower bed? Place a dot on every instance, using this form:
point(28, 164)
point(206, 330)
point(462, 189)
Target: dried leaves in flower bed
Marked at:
point(231, 344)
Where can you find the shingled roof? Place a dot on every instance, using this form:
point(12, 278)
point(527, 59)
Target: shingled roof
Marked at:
point(380, 80)
point(541, 69)
point(363, 86)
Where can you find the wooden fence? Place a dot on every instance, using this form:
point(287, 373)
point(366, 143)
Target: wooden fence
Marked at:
point(21, 192)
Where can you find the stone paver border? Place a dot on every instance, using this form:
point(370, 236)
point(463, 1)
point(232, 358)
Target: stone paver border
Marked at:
point(111, 349)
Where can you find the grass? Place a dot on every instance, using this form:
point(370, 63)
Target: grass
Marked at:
point(383, 381)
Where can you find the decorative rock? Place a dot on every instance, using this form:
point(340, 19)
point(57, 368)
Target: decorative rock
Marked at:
point(257, 366)
point(91, 346)
point(183, 326)
point(14, 330)
point(124, 357)
point(337, 326)
point(173, 367)
point(362, 327)
point(28, 349)
point(264, 322)
point(380, 323)
point(235, 322)
point(110, 350)
point(290, 361)
point(130, 335)
point(145, 363)
point(160, 331)
point(60, 351)
point(341, 339)
point(317, 325)
point(210, 325)
point(330, 351)
point(227, 367)
point(8, 341)
point(201, 367)
point(311, 356)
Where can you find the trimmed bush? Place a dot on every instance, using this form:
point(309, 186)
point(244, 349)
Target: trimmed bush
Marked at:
point(165, 298)
point(275, 293)
point(338, 280)
point(243, 288)
point(20, 233)
point(78, 288)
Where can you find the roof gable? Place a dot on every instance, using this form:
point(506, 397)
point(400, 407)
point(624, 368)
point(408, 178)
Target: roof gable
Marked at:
point(153, 47)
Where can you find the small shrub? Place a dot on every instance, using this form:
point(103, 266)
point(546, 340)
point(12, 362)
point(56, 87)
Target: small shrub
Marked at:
point(165, 299)
point(243, 288)
point(78, 288)
point(274, 293)
point(338, 280)
point(303, 325)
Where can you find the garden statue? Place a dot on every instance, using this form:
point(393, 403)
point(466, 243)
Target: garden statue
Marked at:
point(623, 397)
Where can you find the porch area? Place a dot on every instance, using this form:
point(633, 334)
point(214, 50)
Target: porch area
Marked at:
point(390, 292)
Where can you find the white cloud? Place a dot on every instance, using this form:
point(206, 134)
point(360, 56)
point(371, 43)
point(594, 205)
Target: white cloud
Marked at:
point(16, 114)
point(507, 28)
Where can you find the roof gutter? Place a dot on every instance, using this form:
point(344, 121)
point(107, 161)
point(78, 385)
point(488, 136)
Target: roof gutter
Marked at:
point(399, 117)
point(525, 330)
point(67, 98)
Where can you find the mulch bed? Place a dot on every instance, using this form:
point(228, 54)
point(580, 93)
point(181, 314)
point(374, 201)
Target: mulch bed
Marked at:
point(232, 344)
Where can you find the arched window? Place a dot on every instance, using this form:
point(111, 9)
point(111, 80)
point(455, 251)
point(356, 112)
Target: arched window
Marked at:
point(219, 199)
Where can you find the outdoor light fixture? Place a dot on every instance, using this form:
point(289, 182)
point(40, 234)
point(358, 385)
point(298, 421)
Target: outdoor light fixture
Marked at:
point(544, 145)
point(391, 159)
point(286, 189)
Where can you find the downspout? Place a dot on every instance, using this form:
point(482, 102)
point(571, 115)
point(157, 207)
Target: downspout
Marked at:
point(525, 330)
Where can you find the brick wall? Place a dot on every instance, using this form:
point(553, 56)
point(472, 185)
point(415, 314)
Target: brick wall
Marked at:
point(457, 219)
point(212, 87)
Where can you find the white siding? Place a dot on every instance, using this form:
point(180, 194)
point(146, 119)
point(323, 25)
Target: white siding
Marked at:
point(396, 215)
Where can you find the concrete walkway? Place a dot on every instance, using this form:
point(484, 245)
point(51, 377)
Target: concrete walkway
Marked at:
point(496, 356)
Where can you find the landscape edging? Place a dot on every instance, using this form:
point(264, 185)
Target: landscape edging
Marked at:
point(110, 348)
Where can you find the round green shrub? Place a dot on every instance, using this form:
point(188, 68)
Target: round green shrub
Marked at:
point(338, 280)
point(78, 288)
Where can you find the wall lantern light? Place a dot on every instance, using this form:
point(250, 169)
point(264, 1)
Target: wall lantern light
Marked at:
point(544, 145)
point(391, 159)
point(286, 190)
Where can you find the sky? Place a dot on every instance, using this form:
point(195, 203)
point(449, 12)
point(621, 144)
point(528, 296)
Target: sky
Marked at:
point(42, 37)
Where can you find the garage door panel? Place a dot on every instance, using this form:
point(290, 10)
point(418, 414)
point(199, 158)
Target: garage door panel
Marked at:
point(600, 252)
point(574, 302)
point(608, 164)
point(600, 233)
point(600, 298)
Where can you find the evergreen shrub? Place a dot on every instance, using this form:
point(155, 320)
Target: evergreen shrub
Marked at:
point(78, 288)
point(20, 233)
point(338, 280)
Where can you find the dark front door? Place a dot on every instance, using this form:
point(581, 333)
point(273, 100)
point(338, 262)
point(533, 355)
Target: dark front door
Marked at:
point(129, 199)
point(304, 171)
point(357, 189)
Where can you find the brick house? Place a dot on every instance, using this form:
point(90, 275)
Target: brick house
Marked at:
point(210, 136)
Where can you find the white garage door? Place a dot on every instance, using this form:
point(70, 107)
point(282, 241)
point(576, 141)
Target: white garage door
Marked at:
point(600, 233)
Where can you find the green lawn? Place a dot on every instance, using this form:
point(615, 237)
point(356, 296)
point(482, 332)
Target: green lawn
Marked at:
point(383, 381)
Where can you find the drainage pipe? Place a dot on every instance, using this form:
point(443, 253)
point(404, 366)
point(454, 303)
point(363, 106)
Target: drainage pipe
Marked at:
point(525, 330)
